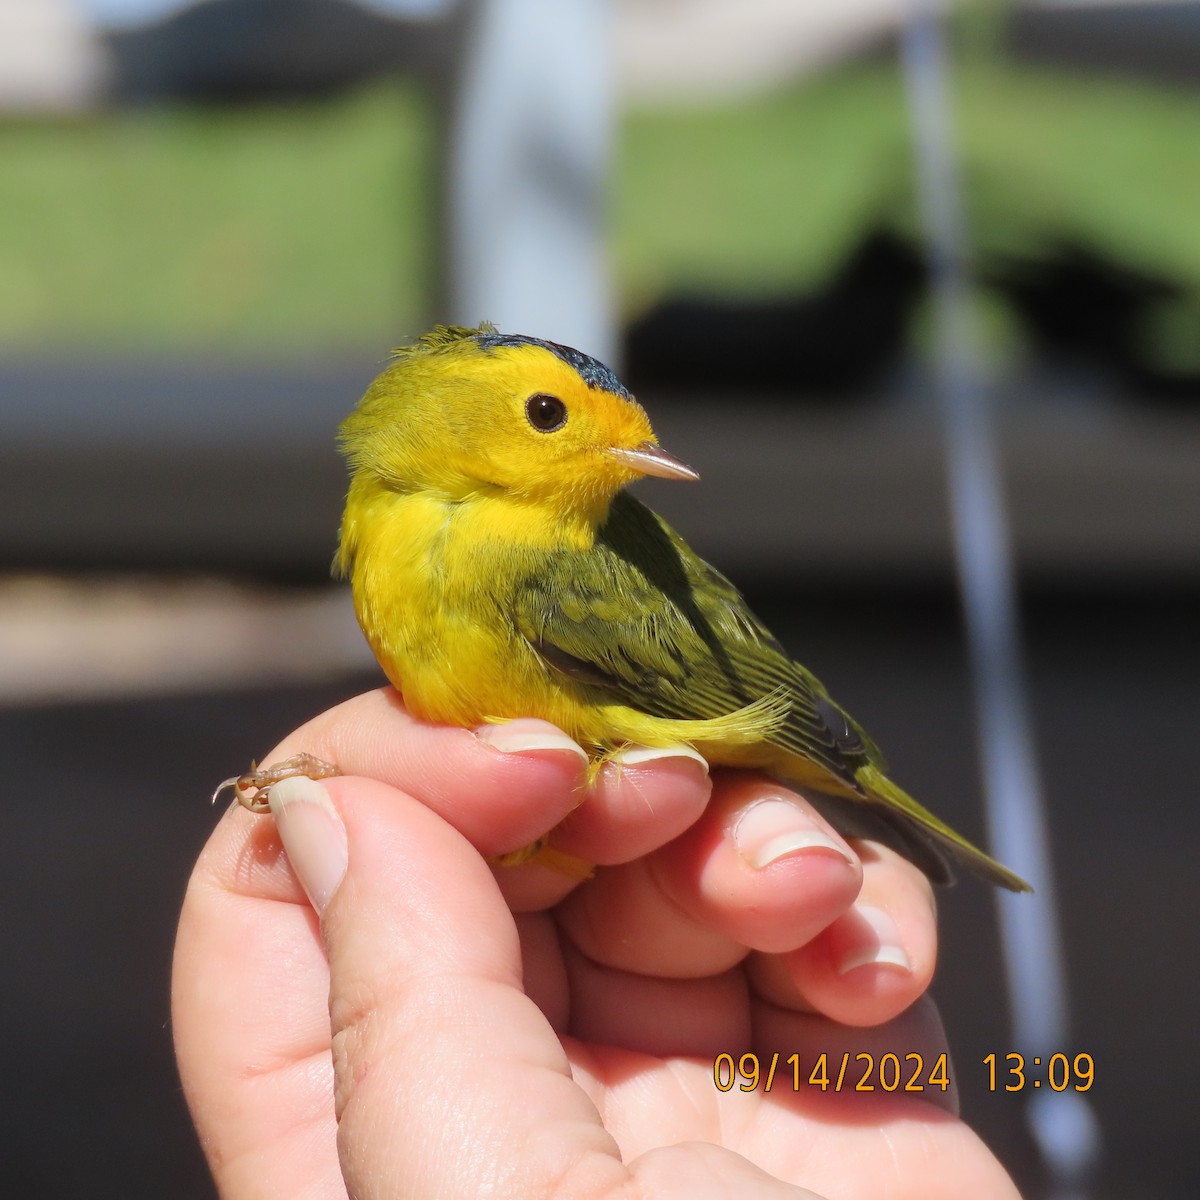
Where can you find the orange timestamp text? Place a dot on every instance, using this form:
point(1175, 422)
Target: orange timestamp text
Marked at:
point(845, 1072)
point(1015, 1072)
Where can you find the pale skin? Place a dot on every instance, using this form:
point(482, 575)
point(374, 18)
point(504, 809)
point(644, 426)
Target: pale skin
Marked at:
point(446, 1028)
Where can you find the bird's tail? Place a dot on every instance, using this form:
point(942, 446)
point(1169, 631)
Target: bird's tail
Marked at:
point(898, 809)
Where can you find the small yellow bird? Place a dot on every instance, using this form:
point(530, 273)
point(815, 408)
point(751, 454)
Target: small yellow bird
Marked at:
point(500, 570)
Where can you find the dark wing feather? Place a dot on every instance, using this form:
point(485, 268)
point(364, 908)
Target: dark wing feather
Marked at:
point(644, 622)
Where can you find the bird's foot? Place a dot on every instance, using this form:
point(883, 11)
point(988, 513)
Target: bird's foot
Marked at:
point(260, 781)
point(515, 858)
point(542, 853)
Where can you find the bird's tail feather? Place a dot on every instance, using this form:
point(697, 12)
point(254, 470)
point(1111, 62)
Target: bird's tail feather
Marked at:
point(914, 823)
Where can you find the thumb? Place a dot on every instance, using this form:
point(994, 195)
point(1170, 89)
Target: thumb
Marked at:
point(449, 1080)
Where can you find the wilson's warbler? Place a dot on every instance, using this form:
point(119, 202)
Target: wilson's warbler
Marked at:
point(499, 570)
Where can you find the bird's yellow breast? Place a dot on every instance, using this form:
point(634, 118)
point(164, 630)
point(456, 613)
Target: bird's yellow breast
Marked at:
point(433, 584)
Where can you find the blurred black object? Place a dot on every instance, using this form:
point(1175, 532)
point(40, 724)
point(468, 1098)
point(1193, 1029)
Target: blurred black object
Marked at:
point(1158, 40)
point(1081, 307)
point(833, 342)
point(1078, 307)
point(239, 50)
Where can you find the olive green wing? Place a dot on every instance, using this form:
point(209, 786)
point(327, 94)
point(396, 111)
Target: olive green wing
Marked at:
point(641, 620)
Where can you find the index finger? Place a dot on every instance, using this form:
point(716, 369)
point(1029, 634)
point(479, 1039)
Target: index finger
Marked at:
point(501, 786)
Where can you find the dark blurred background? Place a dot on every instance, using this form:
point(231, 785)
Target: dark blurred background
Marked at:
point(219, 216)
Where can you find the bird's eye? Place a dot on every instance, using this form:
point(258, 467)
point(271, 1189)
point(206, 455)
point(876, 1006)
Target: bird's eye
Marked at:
point(546, 413)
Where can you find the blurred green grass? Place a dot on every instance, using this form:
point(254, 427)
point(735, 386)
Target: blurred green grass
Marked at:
point(310, 228)
point(253, 227)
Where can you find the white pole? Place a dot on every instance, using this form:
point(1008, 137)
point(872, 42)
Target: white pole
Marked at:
point(1063, 1123)
point(530, 137)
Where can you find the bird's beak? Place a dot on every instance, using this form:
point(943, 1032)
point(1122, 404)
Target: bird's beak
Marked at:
point(650, 459)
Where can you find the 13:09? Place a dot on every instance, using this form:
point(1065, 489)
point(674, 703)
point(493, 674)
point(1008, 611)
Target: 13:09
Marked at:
point(1015, 1073)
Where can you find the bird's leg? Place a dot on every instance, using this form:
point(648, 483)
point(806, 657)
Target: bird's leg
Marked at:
point(542, 853)
point(514, 858)
point(262, 780)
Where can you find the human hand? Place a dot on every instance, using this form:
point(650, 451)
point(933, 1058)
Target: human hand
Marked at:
point(448, 1030)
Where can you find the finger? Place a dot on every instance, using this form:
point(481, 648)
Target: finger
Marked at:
point(544, 972)
point(502, 786)
point(872, 961)
point(250, 1019)
point(760, 870)
point(641, 799)
point(525, 777)
point(433, 1035)
point(656, 1016)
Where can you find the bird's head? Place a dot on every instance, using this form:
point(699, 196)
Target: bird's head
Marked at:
point(470, 412)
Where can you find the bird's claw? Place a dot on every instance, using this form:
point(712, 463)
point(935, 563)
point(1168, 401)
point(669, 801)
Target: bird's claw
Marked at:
point(260, 781)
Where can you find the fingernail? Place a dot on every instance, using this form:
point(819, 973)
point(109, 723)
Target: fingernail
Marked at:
point(772, 829)
point(313, 836)
point(528, 736)
point(875, 940)
point(639, 756)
